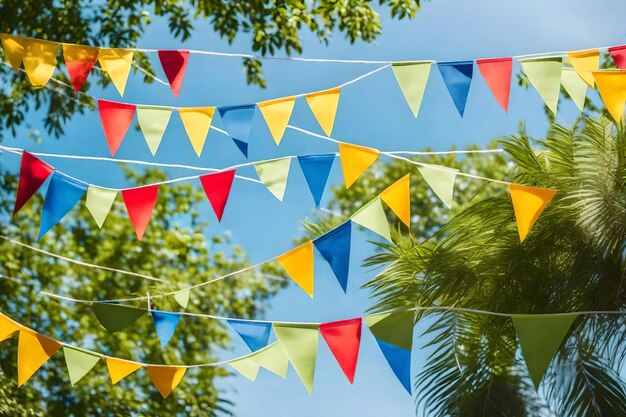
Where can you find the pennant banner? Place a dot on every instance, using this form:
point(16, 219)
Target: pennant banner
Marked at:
point(197, 122)
point(528, 204)
point(497, 74)
point(344, 340)
point(13, 50)
point(398, 197)
point(276, 114)
point(255, 334)
point(575, 86)
point(273, 358)
point(545, 75)
point(120, 369)
point(40, 60)
point(33, 350)
point(116, 119)
point(355, 160)
point(165, 378)
point(63, 193)
point(300, 345)
point(182, 297)
point(584, 62)
point(335, 248)
point(412, 78)
point(372, 216)
point(246, 367)
point(324, 105)
point(618, 53)
point(237, 121)
point(298, 263)
point(99, 202)
point(116, 317)
point(33, 173)
point(153, 121)
point(274, 175)
point(174, 65)
point(79, 61)
point(612, 88)
point(8, 328)
point(116, 63)
point(217, 189)
point(441, 181)
point(140, 203)
point(79, 362)
point(316, 169)
point(165, 324)
point(457, 76)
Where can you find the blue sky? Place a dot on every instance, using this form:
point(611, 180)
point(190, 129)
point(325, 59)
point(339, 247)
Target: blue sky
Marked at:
point(371, 112)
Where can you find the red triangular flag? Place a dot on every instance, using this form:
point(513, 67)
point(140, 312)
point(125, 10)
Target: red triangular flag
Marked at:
point(33, 173)
point(497, 75)
point(217, 188)
point(79, 61)
point(116, 119)
point(174, 65)
point(618, 53)
point(139, 203)
point(344, 339)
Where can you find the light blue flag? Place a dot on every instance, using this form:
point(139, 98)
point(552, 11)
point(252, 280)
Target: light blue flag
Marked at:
point(458, 78)
point(400, 362)
point(316, 169)
point(237, 121)
point(165, 324)
point(255, 334)
point(335, 248)
point(63, 193)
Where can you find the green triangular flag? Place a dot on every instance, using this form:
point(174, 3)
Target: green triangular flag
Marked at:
point(575, 86)
point(441, 181)
point(393, 328)
point(545, 75)
point(273, 358)
point(372, 216)
point(540, 336)
point(274, 175)
point(99, 202)
point(79, 362)
point(412, 78)
point(115, 317)
point(182, 298)
point(300, 344)
point(153, 122)
point(246, 367)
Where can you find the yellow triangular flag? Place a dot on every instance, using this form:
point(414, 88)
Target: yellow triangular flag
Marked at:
point(276, 114)
point(40, 59)
point(116, 63)
point(584, 62)
point(120, 368)
point(528, 204)
point(298, 263)
point(612, 88)
point(166, 378)
point(13, 50)
point(355, 160)
point(324, 104)
point(33, 350)
point(398, 197)
point(246, 367)
point(197, 122)
point(8, 328)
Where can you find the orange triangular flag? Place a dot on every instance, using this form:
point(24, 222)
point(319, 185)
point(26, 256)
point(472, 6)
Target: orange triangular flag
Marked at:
point(8, 327)
point(355, 160)
point(324, 104)
point(398, 197)
point(584, 62)
point(612, 88)
point(33, 350)
point(528, 204)
point(298, 263)
point(120, 368)
point(276, 114)
point(166, 378)
point(13, 50)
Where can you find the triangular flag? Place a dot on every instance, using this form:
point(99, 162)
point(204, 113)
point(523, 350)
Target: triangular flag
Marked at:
point(79, 362)
point(99, 202)
point(217, 189)
point(182, 297)
point(116, 63)
point(298, 263)
point(545, 75)
point(300, 344)
point(528, 204)
point(174, 65)
point(273, 358)
point(165, 324)
point(584, 62)
point(355, 160)
point(393, 328)
point(8, 328)
point(316, 169)
point(457, 76)
point(255, 334)
point(372, 216)
point(33, 350)
point(40, 59)
point(140, 203)
point(612, 88)
point(246, 367)
point(398, 197)
point(13, 50)
point(276, 114)
point(334, 246)
point(153, 121)
point(497, 74)
point(120, 368)
point(540, 336)
point(33, 173)
point(412, 78)
point(274, 175)
point(324, 104)
point(441, 181)
point(344, 339)
point(197, 122)
point(237, 121)
point(399, 361)
point(116, 317)
point(79, 61)
point(116, 119)
point(575, 86)
point(166, 378)
point(62, 194)
point(618, 53)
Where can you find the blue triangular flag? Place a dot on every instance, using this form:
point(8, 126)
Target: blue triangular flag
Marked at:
point(458, 78)
point(237, 121)
point(400, 362)
point(63, 193)
point(316, 169)
point(255, 334)
point(165, 324)
point(335, 248)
